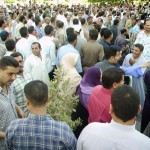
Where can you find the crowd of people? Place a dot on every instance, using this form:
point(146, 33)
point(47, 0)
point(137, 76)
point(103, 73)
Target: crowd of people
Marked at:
point(103, 50)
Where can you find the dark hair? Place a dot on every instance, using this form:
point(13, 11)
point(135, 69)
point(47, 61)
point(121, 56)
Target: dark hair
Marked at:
point(75, 21)
point(110, 76)
point(37, 21)
point(4, 35)
point(8, 61)
point(82, 21)
point(93, 33)
point(125, 102)
point(89, 18)
point(71, 37)
point(123, 30)
point(107, 33)
point(10, 44)
point(16, 54)
point(48, 29)
point(1, 22)
point(139, 46)
point(23, 32)
point(30, 29)
point(59, 24)
point(53, 19)
point(36, 92)
point(39, 45)
point(30, 15)
point(116, 21)
point(141, 26)
point(69, 30)
point(111, 51)
point(21, 18)
point(102, 31)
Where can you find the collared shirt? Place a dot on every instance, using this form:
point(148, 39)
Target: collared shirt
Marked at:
point(37, 68)
point(108, 136)
point(49, 52)
point(68, 49)
point(23, 47)
point(39, 31)
point(144, 39)
point(18, 90)
point(99, 104)
point(3, 49)
point(17, 30)
point(32, 39)
point(7, 111)
point(39, 132)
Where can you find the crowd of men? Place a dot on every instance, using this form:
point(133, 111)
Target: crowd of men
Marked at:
point(33, 43)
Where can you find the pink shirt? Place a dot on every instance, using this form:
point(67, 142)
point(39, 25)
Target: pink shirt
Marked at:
point(99, 104)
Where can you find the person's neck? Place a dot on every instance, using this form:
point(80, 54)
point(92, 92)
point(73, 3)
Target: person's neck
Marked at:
point(128, 123)
point(4, 87)
point(110, 61)
point(107, 40)
point(38, 110)
point(147, 32)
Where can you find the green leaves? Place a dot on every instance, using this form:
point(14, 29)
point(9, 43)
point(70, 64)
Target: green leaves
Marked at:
point(61, 104)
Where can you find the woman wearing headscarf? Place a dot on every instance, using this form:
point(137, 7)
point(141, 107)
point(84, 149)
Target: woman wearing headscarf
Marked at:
point(70, 73)
point(90, 80)
point(146, 109)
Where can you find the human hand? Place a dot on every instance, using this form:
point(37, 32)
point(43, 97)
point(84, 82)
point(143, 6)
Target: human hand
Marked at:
point(131, 61)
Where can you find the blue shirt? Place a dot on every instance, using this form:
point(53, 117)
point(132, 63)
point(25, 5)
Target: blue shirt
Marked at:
point(39, 132)
point(39, 31)
point(134, 29)
point(68, 49)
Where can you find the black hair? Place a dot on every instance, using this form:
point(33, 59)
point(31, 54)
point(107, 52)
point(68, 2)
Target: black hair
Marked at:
point(36, 92)
point(1, 22)
point(107, 33)
point(69, 31)
point(93, 33)
point(30, 29)
point(111, 76)
point(125, 102)
point(10, 44)
point(48, 29)
point(82, 21)
point(116, 22)
point(123, 30)
point(16, 54)
point(21, 18)
point(23, 32)
point(39, 45)
point(139, 46)
point(75, 21)
point(7, 61)
point(59, 24)
point(71, 37)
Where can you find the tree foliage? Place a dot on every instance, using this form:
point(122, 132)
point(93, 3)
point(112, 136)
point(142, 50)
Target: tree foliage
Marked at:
point(62, 105)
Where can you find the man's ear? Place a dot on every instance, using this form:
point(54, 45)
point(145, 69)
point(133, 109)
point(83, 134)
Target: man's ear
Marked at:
point(48, 99)
point(27, 102)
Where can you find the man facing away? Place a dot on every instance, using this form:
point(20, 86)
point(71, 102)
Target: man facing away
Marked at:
point(120, 133)
point(38, 130)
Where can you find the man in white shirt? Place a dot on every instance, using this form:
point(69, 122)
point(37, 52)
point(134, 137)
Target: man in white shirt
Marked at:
point(22, 45)
point(30, 20)
point(48, 50)
point(32, 36)
point(120, 134)
point(19, 26)
point(35, 64)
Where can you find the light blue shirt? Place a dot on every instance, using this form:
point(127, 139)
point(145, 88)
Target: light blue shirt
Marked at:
point(66, 49)
point(134, 29)
point(39, 31)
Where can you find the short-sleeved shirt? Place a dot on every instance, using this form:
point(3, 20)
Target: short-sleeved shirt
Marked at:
point(7, 111)
point(39, 132)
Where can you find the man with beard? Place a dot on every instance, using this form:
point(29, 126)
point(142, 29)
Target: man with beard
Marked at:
point(9, 111)
point(18, 84)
